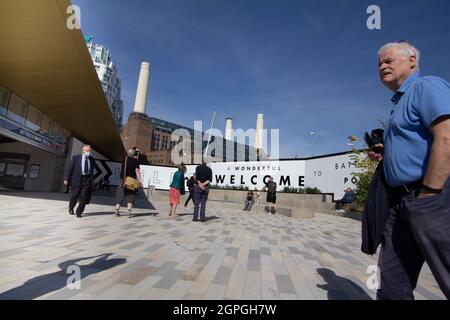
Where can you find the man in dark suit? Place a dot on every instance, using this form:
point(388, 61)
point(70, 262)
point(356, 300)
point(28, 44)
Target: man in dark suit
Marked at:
point(80, 176)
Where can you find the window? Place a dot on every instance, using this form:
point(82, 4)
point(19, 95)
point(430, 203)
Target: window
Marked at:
point(56, 132)
point(33, 120)
point(4, 96)
point(46, 126)
point(17, 109)
point(64, 136)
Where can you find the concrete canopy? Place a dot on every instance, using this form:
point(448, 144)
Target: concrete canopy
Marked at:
point(49, 65)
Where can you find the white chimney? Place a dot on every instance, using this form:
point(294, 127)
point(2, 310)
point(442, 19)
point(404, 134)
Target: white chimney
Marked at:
point(259, 139)
point(229, 129)
point(142, 88)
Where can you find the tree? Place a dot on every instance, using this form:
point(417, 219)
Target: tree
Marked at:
point(364, 175)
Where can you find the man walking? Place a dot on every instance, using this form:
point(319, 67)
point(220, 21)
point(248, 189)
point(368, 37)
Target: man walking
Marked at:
point(271, 197)
point(80, 176)
point(416, 160)
point(203, 174)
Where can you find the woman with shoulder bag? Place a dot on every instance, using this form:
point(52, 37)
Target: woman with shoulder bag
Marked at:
point(130, 181)
point(176, 189)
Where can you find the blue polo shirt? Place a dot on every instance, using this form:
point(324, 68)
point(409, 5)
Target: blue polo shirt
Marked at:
point(407, 140)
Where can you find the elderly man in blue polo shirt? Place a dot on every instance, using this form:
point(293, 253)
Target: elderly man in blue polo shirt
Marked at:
point(416, 160)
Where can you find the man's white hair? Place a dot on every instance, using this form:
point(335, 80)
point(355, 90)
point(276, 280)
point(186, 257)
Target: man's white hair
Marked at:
point(405, 48)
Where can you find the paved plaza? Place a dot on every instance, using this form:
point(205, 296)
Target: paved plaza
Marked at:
point(234, 255)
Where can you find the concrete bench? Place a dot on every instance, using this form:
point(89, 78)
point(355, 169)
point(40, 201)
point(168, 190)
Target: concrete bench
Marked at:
point(348, 212)
point(288, 211)
point(300, 213)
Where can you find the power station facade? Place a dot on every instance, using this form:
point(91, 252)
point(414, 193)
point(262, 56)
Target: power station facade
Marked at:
point(155, 137)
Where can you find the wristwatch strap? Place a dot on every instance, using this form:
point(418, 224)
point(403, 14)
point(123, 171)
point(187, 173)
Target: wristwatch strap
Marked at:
point(431, 190)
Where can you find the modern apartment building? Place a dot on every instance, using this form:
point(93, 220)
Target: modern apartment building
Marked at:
point(108, 75)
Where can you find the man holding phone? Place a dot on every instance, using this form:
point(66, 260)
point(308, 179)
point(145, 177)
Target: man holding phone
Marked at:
point(416, 158)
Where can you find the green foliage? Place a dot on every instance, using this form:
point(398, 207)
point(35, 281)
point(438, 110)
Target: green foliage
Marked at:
point(286, 189)
point(364, 175)
point(239, 188)
point(307, 190)
point(314, 190)
point(290, 190)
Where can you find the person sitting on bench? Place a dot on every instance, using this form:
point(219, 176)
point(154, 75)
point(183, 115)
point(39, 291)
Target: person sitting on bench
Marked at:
point(347, 198)
point(249, 201)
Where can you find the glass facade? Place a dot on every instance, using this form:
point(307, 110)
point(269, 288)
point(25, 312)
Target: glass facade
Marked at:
point(18, 111)
point(33, 120)
point(46, 126)
point(4, 98)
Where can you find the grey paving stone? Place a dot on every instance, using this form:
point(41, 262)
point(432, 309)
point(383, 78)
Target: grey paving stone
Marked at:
point(222, 276)
point(254, 264)
point(132, 245)
point(253, 254)
point(113, 242)
point(232, 252)
point(165, 268)
point(153, 247)
point(203, 259)
point(284, 284)
point(235, 257)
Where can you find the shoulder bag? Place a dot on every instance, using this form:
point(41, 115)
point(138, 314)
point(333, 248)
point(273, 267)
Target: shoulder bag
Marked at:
point(129, 183)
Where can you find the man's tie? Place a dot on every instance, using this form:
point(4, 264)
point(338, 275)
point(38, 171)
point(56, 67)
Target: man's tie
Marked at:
point(86, 166)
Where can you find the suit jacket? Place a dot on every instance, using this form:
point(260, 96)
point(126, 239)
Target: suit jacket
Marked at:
point(73, 172)
point(376, 212)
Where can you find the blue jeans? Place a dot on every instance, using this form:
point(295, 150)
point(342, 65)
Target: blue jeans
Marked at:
point(200, 198)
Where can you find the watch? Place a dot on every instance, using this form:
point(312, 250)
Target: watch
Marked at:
point(431, 190)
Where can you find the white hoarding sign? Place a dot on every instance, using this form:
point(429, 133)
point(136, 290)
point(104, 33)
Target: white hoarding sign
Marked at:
point(329, 174)
point(255, 174)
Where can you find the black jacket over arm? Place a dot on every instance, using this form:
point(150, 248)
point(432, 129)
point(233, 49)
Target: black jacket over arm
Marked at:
point(376, 212)
point(73, 172)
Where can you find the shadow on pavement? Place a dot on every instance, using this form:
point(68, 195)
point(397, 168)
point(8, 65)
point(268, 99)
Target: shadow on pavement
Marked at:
point(340, 288)
point(41, 285)
point(123, 214)
point(185, 214)
point(212, 218)
point(109, 200)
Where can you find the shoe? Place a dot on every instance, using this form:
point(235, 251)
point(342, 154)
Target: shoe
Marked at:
point(71, 212)
point(195, 220)
point(185, 207)
point(202, 220)
point(78, 215)
point(116, 214)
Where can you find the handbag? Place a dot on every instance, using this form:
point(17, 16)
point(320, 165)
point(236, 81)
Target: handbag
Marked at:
point(129, 183)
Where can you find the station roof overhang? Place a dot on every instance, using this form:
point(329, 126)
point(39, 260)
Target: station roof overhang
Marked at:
point(49, 65)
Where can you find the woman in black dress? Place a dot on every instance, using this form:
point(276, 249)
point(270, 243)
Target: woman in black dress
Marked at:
point(133, 171)
point(191, 184)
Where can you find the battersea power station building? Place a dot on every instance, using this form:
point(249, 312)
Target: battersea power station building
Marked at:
point(153, 136)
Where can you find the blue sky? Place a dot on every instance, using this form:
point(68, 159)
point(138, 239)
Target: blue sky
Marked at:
point(305, 64)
